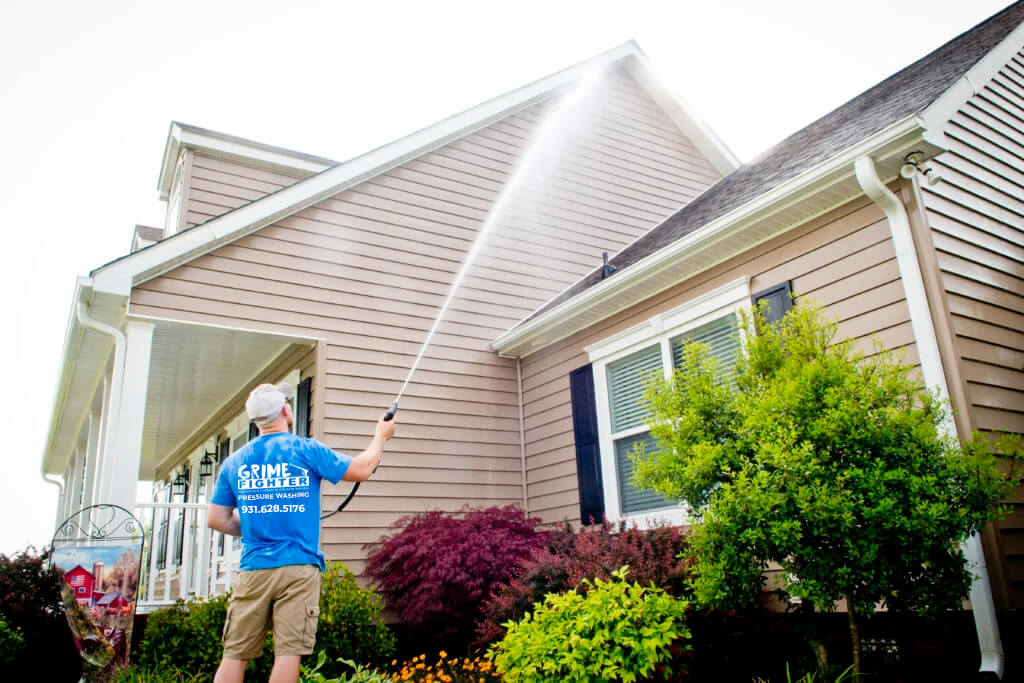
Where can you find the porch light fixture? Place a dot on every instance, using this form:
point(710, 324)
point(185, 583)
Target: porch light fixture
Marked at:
point(206, 467)
point(180, 483)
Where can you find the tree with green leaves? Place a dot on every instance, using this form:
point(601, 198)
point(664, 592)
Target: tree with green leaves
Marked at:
point(832, 464)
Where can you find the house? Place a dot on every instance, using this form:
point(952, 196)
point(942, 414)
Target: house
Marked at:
point(114, 602)
point(83, 584)
point(901, 212)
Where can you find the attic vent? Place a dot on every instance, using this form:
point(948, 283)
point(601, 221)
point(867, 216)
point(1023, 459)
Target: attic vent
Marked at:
point(607, 269)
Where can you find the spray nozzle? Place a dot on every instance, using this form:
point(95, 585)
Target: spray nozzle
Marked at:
point(389, 415)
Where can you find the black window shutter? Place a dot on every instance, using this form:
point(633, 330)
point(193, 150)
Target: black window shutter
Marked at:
point(302, 407)
point(223, 450)
point(588, 452)
point(254, 431)
point(779, 299)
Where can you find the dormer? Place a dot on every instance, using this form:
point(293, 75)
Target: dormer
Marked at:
point(144, 235)
point(205, 174)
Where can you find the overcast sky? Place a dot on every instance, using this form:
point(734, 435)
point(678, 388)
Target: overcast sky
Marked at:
point(89, 89)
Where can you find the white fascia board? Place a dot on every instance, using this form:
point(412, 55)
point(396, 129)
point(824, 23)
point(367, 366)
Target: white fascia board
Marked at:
point(937, 115)
point(119, 277)
point(72, 337)
point(684, 116)
point(602, 296)
point(228, 146)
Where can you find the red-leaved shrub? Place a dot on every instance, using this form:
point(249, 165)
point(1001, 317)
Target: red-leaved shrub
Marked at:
point(594, 552)
point(438, 569)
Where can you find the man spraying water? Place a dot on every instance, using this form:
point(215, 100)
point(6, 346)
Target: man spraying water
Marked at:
point(269, 494)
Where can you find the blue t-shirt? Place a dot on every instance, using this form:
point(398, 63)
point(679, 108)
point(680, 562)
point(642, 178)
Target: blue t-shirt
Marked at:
point(274, 481)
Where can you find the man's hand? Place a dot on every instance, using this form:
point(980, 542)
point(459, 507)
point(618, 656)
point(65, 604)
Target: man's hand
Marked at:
point(385, 430)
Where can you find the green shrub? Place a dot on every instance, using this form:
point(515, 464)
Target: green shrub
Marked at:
point(11, 642)
point(616, 631)
point(350, 623)
point(30, 604)
point(187, 637)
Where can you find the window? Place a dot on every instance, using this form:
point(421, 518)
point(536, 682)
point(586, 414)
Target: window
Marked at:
point(81, 590)
point(625, 362)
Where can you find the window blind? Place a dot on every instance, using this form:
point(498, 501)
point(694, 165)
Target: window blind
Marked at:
point(627, 378)
point(721, 335)
point(632, 498)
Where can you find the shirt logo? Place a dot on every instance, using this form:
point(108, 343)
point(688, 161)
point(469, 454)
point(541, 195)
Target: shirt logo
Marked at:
point(279, 476)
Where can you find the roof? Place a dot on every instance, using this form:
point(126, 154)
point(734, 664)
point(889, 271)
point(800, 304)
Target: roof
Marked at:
point(109, 598)
point(224, 146)
point(118, 276)
point(898, 98)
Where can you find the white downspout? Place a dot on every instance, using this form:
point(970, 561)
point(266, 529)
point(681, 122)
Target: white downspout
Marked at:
point(116, 382)
point(982, 603)
point(60, 485)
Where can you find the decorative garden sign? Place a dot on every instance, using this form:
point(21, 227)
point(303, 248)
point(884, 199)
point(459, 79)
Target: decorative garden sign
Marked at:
point(99, 550)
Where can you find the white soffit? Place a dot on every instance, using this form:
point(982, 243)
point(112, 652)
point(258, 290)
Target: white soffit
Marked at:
point(194, 371)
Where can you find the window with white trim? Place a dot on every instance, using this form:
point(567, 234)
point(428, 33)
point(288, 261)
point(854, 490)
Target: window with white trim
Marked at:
point(624, 363)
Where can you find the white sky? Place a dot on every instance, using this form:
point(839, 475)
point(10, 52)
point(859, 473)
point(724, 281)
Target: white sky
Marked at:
point(88, 90)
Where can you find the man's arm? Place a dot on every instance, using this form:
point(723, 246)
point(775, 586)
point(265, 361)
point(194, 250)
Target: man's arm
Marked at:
point(224, 519)
point(363, 465)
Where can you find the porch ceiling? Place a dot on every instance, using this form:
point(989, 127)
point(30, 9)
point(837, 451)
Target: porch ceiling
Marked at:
point(194, 371)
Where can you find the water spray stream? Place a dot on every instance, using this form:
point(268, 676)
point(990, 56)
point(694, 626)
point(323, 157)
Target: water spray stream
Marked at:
point(552, 125)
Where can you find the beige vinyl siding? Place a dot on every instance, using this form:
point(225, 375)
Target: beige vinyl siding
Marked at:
point(976, 216)
point(844, 261)
point(367, 270)
point(216, 186)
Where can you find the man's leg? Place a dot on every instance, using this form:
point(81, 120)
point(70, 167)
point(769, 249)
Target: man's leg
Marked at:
point(286, 669)
point(232, 671)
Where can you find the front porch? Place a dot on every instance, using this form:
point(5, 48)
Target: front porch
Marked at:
point(147, 410)
point(182, 557)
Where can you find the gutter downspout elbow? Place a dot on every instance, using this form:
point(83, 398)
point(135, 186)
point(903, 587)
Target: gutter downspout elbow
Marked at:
point(982, 602)
point(116, 380)
point(60, 487)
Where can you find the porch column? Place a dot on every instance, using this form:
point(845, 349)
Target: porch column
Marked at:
point(65, 498)
point(123, 448)
point(74, 484)
point(92, 455)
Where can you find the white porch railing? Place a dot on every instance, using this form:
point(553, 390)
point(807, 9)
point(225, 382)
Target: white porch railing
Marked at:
point(183, 558)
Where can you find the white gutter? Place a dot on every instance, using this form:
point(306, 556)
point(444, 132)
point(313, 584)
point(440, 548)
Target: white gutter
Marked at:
point(117, 380)
point(982, 603)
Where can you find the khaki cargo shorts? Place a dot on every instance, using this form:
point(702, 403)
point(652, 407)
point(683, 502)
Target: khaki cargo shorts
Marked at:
point(286, 597)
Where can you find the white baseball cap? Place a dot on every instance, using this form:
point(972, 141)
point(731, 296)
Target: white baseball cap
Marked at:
point(266, 401)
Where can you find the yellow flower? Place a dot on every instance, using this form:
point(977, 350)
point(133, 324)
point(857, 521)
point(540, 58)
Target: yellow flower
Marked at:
point(442, 654)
